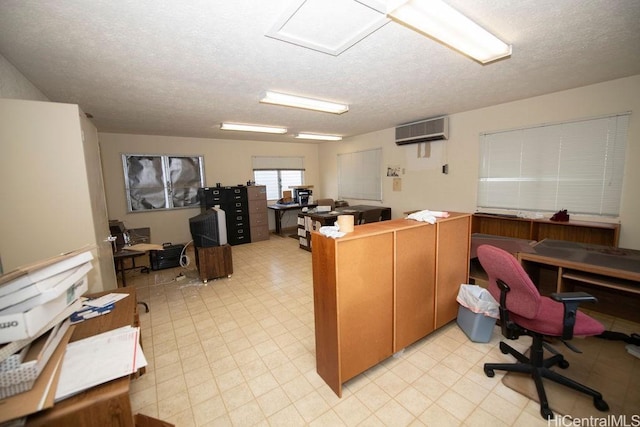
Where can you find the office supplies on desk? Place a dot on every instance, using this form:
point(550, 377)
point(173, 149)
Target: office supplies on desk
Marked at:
point(98, 359)
point(31, 324)
point(19, 372)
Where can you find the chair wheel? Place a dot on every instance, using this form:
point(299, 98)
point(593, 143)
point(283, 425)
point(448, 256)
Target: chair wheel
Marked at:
point(546, 413)
point(504, 348)
point(563, 364)
point(600, 404)
point(489, 372)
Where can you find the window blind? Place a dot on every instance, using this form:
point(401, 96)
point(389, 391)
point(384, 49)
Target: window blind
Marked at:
point(359, 175)
point(576, 165)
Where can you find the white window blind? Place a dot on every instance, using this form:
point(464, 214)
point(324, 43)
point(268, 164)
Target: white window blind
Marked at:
point(359, 175)
point(577, 166)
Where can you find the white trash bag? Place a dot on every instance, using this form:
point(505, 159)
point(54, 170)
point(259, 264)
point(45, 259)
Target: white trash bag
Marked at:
point(478, 300)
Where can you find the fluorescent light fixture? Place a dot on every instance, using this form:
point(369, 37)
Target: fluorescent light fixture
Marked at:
point(441, 22)
point(252, 128)
point(318, 137)
point(301, 102)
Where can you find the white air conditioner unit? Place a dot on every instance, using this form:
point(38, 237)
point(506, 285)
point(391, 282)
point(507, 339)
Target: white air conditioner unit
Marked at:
point(436, 129)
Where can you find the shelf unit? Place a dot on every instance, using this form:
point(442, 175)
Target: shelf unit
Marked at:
point(598, 233)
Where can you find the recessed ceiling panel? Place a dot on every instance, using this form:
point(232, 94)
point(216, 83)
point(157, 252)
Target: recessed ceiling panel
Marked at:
point(328, 26)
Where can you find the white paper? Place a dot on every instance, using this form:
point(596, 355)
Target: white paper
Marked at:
point(98, 359)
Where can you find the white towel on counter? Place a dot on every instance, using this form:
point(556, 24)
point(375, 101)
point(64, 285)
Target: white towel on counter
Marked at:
point(428, 216)
point(332, 231)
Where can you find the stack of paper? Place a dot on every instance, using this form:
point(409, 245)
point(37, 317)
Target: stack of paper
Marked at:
point(100, 358)
point(32, 297)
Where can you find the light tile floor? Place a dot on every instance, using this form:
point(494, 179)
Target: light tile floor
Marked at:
point(240, 351)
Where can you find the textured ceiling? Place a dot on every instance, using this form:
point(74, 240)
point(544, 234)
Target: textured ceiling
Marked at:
point(182, 67)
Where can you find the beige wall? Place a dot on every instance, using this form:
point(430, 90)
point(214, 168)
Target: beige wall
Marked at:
point(226, 161)
point(424, 186)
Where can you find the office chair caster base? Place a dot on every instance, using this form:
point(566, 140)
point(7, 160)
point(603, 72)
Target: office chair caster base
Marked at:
point(600, 404)
point(546, 413)
point(489, 372)
point(563, 364)
point(504, 347)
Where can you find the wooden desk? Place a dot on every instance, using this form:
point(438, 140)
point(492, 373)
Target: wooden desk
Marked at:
point(279, 211)
point(123, 254)
point(107, 404)
point(611, 274)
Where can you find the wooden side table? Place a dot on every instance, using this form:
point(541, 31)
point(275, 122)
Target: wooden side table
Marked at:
point(214, 262)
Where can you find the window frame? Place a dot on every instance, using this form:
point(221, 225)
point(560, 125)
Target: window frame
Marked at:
point(278, 172)
point(172, 180)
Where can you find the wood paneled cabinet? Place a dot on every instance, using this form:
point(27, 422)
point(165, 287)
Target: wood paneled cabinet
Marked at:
point(214, 262)
point(383, 287)
point(597, 233)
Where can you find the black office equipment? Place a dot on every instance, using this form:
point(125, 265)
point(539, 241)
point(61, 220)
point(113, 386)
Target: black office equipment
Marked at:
point(168, 257)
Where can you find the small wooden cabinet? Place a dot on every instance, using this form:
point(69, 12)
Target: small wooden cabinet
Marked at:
point(382, 287)
point(214, 262)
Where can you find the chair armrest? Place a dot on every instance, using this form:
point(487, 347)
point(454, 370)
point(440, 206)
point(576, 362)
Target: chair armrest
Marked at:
point(578, 297)
point(571, 301)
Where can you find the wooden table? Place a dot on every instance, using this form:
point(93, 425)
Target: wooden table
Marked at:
point(279, 211)
point(107, 404)
point(123, 254)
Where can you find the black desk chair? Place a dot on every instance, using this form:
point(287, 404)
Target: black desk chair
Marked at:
point(523, 311)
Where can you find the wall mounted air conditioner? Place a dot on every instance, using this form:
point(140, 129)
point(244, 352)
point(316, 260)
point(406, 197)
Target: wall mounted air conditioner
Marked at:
point(436, 129)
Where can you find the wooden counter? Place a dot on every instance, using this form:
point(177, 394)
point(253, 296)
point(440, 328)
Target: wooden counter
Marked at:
point(383, 287)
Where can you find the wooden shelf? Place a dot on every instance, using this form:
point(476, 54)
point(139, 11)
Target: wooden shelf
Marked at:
point(598, 233)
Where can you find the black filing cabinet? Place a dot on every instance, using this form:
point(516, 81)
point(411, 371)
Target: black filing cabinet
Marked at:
point(235, 204)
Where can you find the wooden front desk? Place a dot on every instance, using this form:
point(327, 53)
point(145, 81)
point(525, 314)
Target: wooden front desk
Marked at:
point(382, 287)
point(107, 404)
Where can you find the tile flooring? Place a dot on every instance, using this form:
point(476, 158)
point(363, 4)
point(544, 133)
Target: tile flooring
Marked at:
point(240, 351)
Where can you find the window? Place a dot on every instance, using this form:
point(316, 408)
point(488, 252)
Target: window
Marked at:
point(278, 174)
point(576, 166)
point(359, 175)
point(162, 182)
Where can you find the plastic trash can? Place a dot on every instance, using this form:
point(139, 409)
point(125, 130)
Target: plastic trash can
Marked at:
point(477, 312)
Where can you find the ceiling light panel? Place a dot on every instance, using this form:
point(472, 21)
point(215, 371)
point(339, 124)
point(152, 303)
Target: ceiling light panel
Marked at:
point(252, 128)
point(284, 99)
point(329, 26)
point(318, 137)
point(441, 22)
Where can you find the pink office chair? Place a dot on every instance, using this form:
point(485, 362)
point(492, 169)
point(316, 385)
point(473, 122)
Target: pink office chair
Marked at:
point(523, 311)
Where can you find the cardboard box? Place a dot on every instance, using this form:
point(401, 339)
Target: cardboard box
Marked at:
point(28, 324)
point(17, 379)
point(32, 280)
point(42, 394)
point(64, 281)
